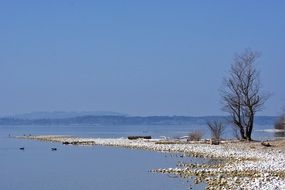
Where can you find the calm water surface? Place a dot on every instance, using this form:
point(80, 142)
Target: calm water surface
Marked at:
point(72, 167)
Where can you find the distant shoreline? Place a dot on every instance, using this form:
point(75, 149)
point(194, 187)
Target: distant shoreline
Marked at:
point(272, 130)
point(130, 120)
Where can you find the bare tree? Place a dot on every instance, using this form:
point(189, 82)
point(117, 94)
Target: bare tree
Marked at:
point(195, 135)
point(241, 93)
point(217, 129)
point(236, 133)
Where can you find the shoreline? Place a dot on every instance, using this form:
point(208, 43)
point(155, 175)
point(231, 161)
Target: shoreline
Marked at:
point(245, 166)
point(271, 130)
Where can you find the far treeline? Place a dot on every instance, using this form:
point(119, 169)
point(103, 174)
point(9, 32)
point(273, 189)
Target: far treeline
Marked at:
point(131, 120)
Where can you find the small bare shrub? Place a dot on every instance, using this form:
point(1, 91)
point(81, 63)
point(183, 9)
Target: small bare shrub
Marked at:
point(195, 135)
point(217, 129)
point(280, 124)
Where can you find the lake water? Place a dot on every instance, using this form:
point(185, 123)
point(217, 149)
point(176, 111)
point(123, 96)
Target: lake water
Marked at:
point(96, 167)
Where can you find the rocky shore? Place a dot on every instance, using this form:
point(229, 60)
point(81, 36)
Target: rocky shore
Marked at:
point(245, 165)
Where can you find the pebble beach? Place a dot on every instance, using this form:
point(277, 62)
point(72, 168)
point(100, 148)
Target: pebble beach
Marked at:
point(245, 165)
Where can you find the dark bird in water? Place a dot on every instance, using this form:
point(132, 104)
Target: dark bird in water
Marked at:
point(22, 148)
point(53, 149)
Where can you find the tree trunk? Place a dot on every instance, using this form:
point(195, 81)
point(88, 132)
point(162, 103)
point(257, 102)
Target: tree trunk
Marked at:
point(249, 127)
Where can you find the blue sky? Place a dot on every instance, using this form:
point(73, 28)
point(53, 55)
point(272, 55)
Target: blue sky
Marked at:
point(137, 57)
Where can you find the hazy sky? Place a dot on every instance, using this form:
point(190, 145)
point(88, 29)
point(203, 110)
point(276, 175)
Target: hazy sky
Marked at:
point(148, 57)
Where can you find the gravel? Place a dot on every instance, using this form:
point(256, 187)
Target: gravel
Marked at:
point(246, 167)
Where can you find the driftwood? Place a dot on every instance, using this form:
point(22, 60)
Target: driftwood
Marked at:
point(78, 143)
point(138, 137)
point(214, 142)
point(266, 144)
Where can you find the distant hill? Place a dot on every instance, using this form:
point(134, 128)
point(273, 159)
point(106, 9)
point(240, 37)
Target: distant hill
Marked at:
point(63, 114)
point(122, 120)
